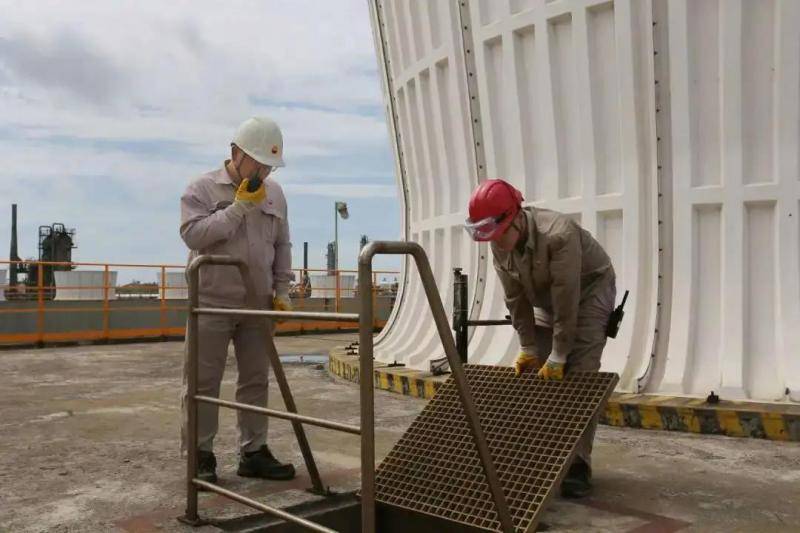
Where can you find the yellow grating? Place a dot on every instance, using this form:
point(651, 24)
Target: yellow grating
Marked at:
point(532, 427)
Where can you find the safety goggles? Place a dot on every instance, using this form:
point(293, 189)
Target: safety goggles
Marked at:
point(486, 229)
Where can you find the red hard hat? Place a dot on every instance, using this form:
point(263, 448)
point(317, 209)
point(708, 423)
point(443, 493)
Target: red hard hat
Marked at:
point(492, 207)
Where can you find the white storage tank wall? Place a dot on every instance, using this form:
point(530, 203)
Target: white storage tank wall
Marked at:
point(431, 105)
point(324, 286)
point(2, 285)
point(567, 112)
point(735, 87)
point(175, 286)
point(85, 285)
point(551, 82)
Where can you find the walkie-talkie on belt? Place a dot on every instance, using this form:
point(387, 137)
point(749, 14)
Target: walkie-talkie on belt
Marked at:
point(616, 319)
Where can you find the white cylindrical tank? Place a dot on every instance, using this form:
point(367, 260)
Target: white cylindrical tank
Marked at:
point(85, 285)
point(669, 129)
point(175, 286)
point(324, 286)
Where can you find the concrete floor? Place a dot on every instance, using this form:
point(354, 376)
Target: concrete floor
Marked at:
point(89, 442)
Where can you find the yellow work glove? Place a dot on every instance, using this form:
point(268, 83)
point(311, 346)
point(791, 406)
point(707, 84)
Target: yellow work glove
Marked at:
point(281, 303)
point(552, 370)
point(250, 199)
point(526, 362)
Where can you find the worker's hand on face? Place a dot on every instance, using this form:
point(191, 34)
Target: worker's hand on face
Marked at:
point(552, 370)
point(250, 199)
point(526, 363)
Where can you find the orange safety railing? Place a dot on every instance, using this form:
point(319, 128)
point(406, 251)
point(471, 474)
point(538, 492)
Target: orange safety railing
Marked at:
point(39, 312)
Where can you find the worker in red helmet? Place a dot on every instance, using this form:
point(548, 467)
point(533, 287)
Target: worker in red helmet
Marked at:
point(546, 261)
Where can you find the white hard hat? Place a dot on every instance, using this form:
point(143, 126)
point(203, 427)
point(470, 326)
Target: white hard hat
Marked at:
point(261, 139)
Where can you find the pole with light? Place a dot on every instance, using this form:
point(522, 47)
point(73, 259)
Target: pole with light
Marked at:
point(339, 208)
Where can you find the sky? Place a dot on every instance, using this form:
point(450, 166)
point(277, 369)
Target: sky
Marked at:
point(109, 108)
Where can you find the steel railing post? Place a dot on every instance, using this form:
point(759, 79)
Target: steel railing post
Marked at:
point(195, 310)
point(106, 307)
point(365, 331)
point(163, 302)
point(440, 319)
point(367, 428)
point(191, 392)
point(40, 302)
point(374, 302)
point(337, 300)
point(443, 328)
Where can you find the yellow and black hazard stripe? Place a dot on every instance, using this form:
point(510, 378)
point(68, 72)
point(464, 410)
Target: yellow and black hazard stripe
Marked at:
point(642, 411)
point(734, 419)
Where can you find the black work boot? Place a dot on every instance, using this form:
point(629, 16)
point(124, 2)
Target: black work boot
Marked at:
point(206, 467)
point(263, 464)
point(577, 483)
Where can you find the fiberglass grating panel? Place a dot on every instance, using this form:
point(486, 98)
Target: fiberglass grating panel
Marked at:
point(531, 426)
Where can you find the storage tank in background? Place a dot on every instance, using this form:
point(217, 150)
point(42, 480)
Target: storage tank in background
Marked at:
point(175, 288)
point(669, 128)
point(85, 285)
point(324, 286)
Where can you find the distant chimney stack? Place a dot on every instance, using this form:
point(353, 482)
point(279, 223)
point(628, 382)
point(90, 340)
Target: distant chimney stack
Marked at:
point(13, 255)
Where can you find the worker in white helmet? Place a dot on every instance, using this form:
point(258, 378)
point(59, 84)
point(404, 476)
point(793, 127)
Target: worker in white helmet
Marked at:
point(220, 215)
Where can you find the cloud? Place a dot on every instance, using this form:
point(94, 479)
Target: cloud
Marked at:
point(343, 190)
point(67, 62)
point(110, 108)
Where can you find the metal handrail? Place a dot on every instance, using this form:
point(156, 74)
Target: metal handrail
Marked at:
point(289, 517)
point(367, 428)
point(282, 315)
point(365, 350)
point(192, 483)
point(346, 428)
point(160, 265)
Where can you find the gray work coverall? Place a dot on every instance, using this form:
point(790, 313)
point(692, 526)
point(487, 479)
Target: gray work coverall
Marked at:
point(565, 273)
point(211, 223)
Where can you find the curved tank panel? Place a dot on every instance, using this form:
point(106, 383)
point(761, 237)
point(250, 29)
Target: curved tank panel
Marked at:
point(669, 129)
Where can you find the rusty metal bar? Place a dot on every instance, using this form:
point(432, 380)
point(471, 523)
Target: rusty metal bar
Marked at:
point(283, 315)
point(291, 416)
point(261, 507)
point(442, 326)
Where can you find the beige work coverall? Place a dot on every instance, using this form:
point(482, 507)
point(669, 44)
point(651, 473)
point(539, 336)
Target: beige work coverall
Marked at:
point(211, 223)
point(565, 273)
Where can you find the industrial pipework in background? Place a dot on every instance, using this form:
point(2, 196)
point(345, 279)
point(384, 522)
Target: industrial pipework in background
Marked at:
point(55, 245)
